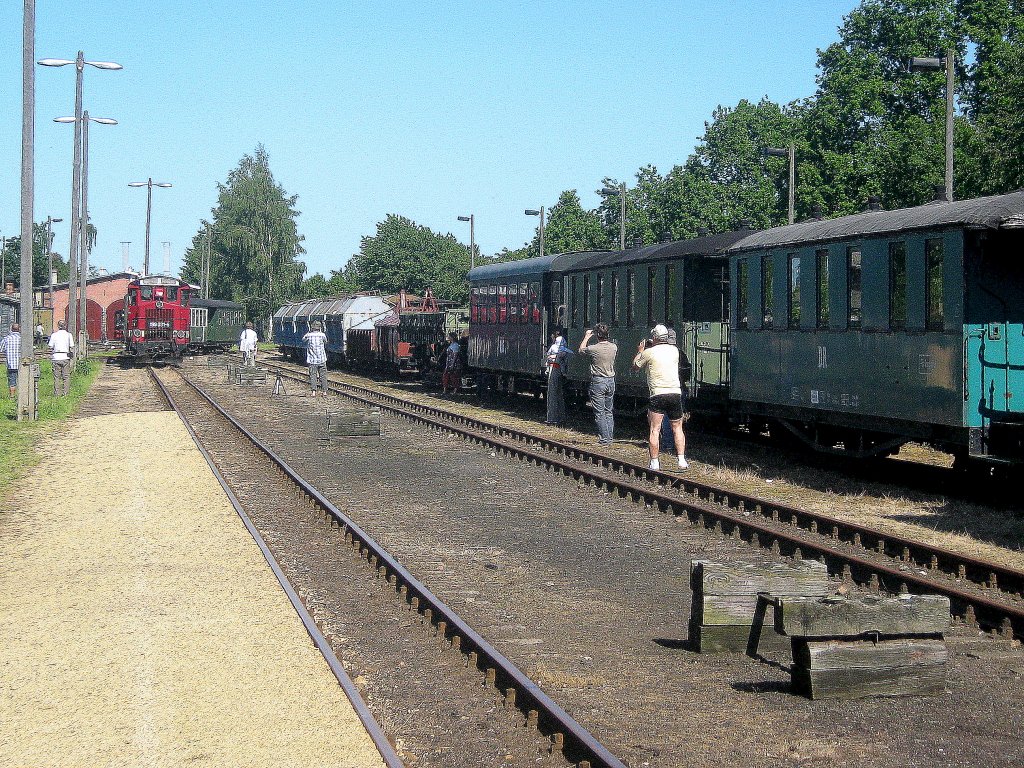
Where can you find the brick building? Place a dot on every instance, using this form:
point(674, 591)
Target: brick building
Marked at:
point(105, 296)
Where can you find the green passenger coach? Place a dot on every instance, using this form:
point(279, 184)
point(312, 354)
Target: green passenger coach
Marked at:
point(861, 333)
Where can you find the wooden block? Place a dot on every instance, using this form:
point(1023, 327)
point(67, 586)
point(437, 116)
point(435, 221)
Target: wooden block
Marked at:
point(853, 669)
point(761, 640)
point(365, 421)
point(808, 578)
point(847, 617)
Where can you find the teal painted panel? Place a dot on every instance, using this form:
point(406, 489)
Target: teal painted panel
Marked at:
point(875, 285)
point(995, 371)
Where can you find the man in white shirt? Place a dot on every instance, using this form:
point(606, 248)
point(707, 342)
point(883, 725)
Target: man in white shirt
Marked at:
point(62, 345)
point(661, 360)
point(247, 345)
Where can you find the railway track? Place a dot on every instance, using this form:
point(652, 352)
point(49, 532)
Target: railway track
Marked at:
point(517, 691)
point(980, 592)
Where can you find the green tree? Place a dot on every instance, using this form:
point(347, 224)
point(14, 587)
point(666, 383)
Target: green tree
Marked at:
point(11, 260)
point(406, 255)
point(254, 240)
point(570, 228)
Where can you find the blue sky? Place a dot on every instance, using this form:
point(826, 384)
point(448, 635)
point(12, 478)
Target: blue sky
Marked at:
point(426, 109)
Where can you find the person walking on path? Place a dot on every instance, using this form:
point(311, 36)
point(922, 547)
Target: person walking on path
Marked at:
point(247, 344)
point(602, 380)
point(555, 360)
point(451, 379)
point(62, 346)
point(661, 361)
point(10, 348)
point(39, 334)
point(316, 358)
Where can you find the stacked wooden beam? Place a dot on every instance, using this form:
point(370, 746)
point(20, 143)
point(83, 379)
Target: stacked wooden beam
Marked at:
point(352, 422)
point(250, 375)
point(868, 646)
point(724, 615)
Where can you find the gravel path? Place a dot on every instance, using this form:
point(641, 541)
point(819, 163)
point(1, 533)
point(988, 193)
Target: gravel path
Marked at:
point(142, 625)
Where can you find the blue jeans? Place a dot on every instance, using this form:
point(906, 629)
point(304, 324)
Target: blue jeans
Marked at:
point(602, 397)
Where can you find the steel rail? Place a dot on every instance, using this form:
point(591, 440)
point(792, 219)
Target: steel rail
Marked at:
point(984, 573)
point(376, 733)
point(701, 504)
point(569, 737)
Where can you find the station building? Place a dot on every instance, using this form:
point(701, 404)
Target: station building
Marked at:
point(104, 297)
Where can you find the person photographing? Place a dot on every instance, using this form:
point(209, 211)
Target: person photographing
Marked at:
point(660, 361)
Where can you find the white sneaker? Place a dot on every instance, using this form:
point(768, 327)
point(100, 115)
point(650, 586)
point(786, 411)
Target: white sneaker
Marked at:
point(682, 463)
point(655, 465)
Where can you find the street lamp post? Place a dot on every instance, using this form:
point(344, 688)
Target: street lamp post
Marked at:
point(472, 241)
point(149, 184)
point(26, 378)
point(619, 191)
point(947, 62)
point(534, 212)
point(85, 245)
point(50, 221)
point(791, 154)
point(76, 176)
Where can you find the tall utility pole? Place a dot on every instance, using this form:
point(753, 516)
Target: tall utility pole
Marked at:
point(619, 191)
point(76, 209)
point(472, 241)
point(919, 63)
point(50, 221)
point(84, 244)
point(535, 212)
point(148, 184)
point(205, 277)
point(789, 153)
point(26, 376)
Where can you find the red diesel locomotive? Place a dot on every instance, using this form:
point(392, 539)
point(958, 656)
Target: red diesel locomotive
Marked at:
point(157, 319)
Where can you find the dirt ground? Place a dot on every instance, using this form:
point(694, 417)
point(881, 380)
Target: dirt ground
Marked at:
point(141, 624)
point(588, 593)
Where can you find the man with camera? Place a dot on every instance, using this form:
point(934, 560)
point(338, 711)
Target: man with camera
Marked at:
point(602, 380)
point(660, 359)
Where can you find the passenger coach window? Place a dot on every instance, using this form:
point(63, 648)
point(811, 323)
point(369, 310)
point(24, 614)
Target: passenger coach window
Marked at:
point(600, 298)
point(742, 289)
point(574, 297)
point(535, 302)
point(897, 286)
point(670, 291)
point(933, 257)
point(821, 258)
point(615, 298)
point(652, 316)
point(630, 298)
point(503, 304)
point(767, 290)
point(854, 296)
point(586, 301)
point(794, 291)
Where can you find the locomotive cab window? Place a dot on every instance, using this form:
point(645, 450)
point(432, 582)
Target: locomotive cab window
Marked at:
point(897, 286)
point(933, 258)
point(767, 290)
point(170, 293)
point(146, 293)
point(854, 296)
point(821, 261)
point(794, 290)
point(742, 293)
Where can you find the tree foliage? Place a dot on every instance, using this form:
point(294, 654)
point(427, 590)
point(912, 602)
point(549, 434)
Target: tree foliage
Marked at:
point(403, 254)
point(253, 238)
point(11, 259)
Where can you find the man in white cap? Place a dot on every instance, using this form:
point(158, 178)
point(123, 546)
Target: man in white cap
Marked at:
point(661, 361)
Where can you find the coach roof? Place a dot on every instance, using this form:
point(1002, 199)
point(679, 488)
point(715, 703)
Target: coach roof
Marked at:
point(557, 262)
point(999, 211)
